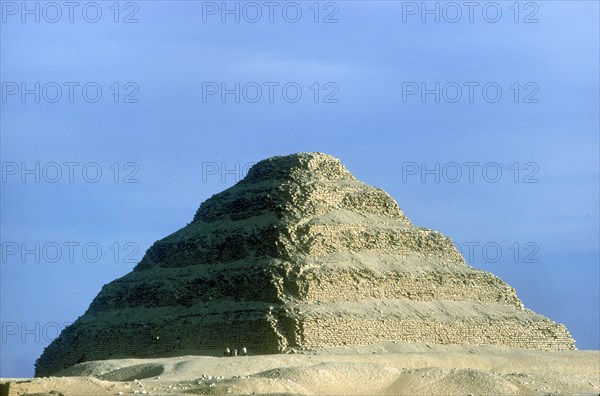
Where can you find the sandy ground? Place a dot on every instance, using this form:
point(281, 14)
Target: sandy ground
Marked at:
point(385, 369)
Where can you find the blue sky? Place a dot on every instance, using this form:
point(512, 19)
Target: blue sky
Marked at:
point(544, 141)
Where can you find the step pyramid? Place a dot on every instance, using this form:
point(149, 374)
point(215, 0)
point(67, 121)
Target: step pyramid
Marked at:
point(296, 256)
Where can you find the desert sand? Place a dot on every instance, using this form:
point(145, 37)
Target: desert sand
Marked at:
point(383, 369)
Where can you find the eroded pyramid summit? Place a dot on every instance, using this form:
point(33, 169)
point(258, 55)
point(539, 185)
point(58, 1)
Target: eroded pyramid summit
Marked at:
point(298, 255)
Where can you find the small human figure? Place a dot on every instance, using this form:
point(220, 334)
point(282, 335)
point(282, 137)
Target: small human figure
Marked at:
point(227, 352)
point(244, 351)
point(235, 352)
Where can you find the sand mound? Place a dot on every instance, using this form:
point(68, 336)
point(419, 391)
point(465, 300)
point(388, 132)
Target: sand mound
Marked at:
point(444, 381)
point(383, 369)
point(139, 371)
point(358, 377)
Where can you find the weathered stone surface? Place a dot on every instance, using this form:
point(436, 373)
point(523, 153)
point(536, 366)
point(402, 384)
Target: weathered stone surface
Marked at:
point(298, 255)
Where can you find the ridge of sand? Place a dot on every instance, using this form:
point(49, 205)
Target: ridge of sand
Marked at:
point(384, 369)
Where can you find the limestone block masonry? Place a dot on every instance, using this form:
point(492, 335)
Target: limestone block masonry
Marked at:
point(298, 255)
